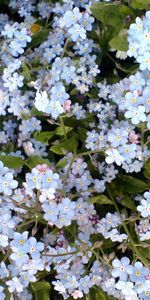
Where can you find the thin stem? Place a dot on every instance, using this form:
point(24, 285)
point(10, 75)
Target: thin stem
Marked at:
point(60, 254)
point(134, 248)
point(65, 48)
point(86, 153)
point(63, 127)
point(142, 135)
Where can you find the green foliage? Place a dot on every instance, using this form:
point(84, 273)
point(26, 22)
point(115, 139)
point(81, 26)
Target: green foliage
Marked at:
point(101, 199)
point(41, 290)
point(131, 185)
point(12, 162)
point(35, 112)
point(140, 4)
point(60, 130)
point(120, 42)
point(111, 13)
point(147, 169)
point(39, 37)
point(26, 71)
point(34, 160)
point(44, 136)
point(66, 146)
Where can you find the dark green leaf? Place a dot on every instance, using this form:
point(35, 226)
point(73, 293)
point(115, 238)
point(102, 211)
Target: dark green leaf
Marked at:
point(41, 290)
point(127, 202)
point(39, 37)
point(12, 162)
point(147, 169)
point(130, 184)
point(10, 148)
point(35, 112)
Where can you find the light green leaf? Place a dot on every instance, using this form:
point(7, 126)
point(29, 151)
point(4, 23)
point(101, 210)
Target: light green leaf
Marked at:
point(101, 199)
point(120, 42)
point(34, 160)
point(140, 4)
point(60, 130)
point(26, 71)
point(64, 147)
point(111, 13)
point(44, 136)
point(12, 162)
point(61, 163)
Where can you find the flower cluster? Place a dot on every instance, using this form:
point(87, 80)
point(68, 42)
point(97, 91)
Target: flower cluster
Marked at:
point(139, 31)
point(79, 221)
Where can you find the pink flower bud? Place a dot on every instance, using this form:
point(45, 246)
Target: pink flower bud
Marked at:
point(77, 294)
point(133, 138)
point(67, 105)
point(42, 168)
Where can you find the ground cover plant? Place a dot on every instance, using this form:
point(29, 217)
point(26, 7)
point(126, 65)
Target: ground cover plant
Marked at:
point(74, 150)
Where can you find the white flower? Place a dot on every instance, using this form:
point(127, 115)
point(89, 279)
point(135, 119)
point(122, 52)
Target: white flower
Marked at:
point(114, 156)
point(41, 101)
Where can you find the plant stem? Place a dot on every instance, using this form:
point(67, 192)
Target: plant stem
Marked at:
point(134, 248)
point(63, 127)
point(65, 47)
point(61, 254)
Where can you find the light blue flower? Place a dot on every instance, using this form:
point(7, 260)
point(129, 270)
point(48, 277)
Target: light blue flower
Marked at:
point(136, 115)
point(7, 184)
point(139, 272)
point(121, 268)
point(35, 247)
point(76, 32)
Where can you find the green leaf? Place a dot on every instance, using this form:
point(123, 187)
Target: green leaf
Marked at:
point(35, 112)
point(145, 252)
point(111, 14)
point(9, 148)
point(34, 160)
point(61, 163)
point(26, 71)
point(6, 2)
point(147, 169)
point(120, 42)
point(60, 130)
point(101, 199)
point(41, 290)
point(12, 162)
point(100, 296)
point(130, 184)
point(64, 147)
point(39, 37)
point(140, 4)
point(108, 14)
point(127, 202)
point(44, 136)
